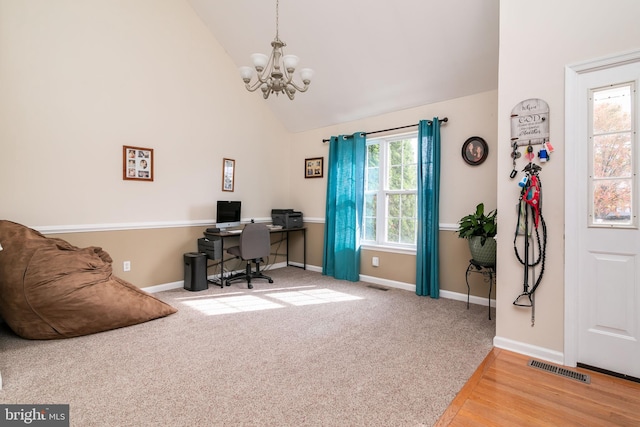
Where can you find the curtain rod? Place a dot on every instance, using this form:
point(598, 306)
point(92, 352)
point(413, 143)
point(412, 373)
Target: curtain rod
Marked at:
point(445, 120)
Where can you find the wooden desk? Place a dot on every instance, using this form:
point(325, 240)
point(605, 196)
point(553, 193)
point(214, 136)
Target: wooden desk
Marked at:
point(225, 235)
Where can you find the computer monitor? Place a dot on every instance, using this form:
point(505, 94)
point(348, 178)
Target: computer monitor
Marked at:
point(227, 214)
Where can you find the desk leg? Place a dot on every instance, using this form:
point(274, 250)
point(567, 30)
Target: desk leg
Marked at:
point(287, 248)
point(222, 262)
point(217, 282)
point(220, 280)
point(304, 246)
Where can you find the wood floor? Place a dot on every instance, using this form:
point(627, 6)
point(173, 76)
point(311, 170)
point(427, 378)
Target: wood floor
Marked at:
point(504, 391)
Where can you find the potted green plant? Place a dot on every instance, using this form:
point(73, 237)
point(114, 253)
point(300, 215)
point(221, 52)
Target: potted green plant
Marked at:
point(480, 229)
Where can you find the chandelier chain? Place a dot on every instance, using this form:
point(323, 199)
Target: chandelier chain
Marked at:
point(277, 18)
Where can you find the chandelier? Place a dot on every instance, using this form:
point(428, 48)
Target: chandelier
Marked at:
point(275, 72)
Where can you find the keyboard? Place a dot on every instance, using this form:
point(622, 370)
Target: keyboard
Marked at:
point(234, 231)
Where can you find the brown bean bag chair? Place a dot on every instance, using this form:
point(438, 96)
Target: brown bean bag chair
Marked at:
point(50, 289)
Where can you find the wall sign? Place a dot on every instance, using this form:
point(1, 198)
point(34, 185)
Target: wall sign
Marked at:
point(530, 122)
point(529, 127)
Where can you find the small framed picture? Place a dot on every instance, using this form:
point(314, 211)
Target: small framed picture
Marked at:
point(228, 174)
point(314, 167)
point(137, 163)
point(475, 150)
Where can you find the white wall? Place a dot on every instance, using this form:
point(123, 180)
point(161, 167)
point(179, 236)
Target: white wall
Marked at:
point(80, 79)
point(537, 40)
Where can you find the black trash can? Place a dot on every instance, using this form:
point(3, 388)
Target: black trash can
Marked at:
point(195, 271)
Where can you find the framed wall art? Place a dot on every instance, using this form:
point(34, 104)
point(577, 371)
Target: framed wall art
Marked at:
point(475, 150)
point(228, 174)
point(137, 163)
point(313, 167)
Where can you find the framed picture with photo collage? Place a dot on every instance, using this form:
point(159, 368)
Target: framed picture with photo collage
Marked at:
point(137, 163)
point(314, 167)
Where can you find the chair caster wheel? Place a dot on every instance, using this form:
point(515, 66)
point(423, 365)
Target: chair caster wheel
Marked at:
point(250, 286)
point(270, 280)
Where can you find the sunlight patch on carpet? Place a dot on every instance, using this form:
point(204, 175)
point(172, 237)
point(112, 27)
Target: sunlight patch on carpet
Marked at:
point(232, 304)
point(314, 296)
point(238, 302)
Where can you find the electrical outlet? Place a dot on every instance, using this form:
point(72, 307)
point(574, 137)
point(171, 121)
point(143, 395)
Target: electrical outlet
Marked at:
point(375, 261)
point(126, 266)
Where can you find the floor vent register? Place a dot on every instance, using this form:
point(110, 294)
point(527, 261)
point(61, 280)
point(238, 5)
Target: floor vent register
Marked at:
point(563, 372)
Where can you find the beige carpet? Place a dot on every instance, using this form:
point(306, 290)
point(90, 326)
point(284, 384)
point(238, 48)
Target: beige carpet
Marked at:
point(306, 350)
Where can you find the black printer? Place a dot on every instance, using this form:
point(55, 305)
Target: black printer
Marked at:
point(212, 247)
point(287, 218)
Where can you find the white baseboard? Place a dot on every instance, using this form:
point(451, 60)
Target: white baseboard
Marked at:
point(412, 288)
point(164, 287)
point(530, 350)
point(389, 283)
point(463, 297)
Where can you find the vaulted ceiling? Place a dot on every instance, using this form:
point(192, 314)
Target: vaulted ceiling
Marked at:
point(370, 57)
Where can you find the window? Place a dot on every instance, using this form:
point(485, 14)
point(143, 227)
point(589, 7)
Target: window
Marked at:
point(611, 151)
point(390, 192)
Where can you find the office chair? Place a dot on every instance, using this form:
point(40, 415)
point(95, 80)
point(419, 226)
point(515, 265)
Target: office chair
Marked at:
point(255, 244)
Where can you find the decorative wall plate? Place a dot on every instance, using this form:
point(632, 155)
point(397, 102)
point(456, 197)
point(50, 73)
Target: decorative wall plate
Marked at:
point(475, 150)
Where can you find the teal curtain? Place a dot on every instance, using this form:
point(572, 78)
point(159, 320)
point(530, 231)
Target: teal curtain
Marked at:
point(427, 274)
point(345, 204)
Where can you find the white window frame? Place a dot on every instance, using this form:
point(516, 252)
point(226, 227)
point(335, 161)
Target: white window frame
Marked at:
point(591, 223)
point(383, 192)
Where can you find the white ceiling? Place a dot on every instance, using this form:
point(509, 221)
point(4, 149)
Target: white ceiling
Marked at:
point(370, 57)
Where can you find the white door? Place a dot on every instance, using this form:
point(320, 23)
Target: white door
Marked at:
point(607, 196)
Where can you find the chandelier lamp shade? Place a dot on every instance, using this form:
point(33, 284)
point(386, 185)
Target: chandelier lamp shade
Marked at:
point(275, 73)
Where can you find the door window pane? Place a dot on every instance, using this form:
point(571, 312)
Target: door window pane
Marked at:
point(612, 152)
point(612, 155)
point(612, 110)
point(612, 201)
